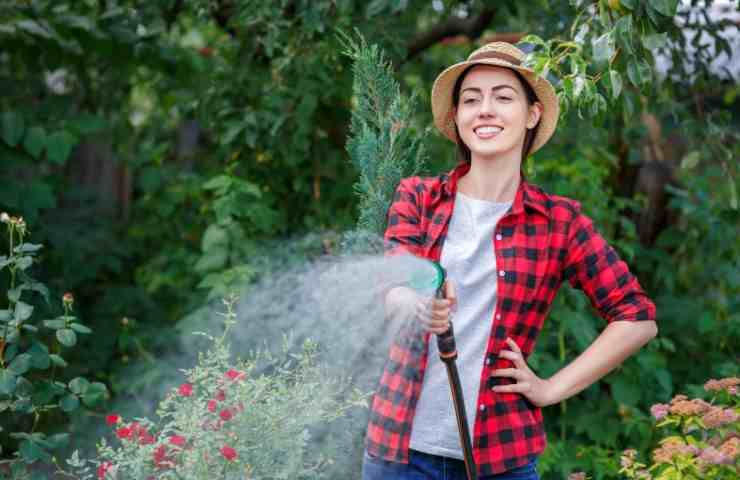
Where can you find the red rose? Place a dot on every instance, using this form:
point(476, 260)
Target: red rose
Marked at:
point(177, 440)
point(235, 375)
point(112, 419)
point(186, 389)
point(211, 405)
point(226, 414)
point(228, 453)
point(220, 395)
point(161, 459)
point(103, 469)
point(124, 433)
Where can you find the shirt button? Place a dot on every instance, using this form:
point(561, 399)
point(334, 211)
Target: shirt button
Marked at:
point(482, 408)
point(498, 316)
point(501, 273)
point(498, 236)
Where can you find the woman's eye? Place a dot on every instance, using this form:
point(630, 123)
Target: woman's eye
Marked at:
point(469, 100)
point(505, 99)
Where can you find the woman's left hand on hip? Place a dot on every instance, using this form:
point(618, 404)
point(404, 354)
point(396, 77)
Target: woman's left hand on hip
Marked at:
point(536, 389)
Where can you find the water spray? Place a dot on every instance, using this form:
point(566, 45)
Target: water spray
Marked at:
point(448, 355)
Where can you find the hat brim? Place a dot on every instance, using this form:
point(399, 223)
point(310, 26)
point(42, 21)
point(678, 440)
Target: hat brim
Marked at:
point(443, 112)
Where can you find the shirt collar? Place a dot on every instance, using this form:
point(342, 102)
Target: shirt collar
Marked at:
point(527, 195)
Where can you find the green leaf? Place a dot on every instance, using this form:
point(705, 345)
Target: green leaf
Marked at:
point(33, 27)
point(69, 403)
point(78, 385)
point(667, 8)
point(5, 315)
point(7, 382)
point(32, 452)
point(11, 128)
point(616, 81)
point(27, 247)
point(603, 47)
point(690, 160)
point(626, 391)
point(87, 124)
point(39, 356)
point(58, 440)
point(24, 262)
point(214, 237)
point(79, 328)
point(213, 260)
point(23, 311)
point(639, 72)
point(57, 360)
point(20, 364)
point(55, 324)
point(628, 4)
point(67, 337)
point(59, 145)
point(35, 141)
point(95, 392)
point(654, 41)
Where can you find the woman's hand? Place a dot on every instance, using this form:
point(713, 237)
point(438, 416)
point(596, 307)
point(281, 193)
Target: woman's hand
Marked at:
point(432, 314)
point(537, 390)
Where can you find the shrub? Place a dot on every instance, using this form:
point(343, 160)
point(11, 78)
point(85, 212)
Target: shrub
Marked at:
point(32, 385)
point(227, 420)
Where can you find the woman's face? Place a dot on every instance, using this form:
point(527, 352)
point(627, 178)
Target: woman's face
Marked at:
point(493, 113)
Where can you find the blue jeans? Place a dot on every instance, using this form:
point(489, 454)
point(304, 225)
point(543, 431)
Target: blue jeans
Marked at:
point(423, 466)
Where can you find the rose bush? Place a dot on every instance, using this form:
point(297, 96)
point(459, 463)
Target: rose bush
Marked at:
point(37, 394)
point(251, 418)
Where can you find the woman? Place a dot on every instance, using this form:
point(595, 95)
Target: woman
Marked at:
point(507, 246)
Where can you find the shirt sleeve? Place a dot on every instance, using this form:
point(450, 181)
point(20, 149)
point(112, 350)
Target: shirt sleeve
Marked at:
point(403, 232)
point(593, 266)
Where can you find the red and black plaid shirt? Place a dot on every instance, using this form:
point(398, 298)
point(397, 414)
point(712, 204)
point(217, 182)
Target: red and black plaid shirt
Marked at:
point(543, 240)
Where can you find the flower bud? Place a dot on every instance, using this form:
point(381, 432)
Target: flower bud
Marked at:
point(68, 299)
point(4, 217)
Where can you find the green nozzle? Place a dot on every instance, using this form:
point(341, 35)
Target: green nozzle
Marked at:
point(427, 280)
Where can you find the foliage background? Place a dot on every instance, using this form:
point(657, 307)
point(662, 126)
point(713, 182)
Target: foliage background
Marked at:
point(162, 150)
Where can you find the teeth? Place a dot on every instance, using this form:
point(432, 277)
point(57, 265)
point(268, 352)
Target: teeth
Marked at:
point(487, 130)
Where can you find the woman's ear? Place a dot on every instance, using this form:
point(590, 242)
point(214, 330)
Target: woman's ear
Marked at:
point(535, 112)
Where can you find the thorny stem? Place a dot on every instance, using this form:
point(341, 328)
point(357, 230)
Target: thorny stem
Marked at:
point(11, 268)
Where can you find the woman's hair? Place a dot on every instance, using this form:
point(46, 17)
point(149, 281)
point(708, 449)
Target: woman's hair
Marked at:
point(463, 152)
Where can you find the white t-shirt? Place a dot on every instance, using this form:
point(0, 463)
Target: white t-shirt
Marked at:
point(469, 258)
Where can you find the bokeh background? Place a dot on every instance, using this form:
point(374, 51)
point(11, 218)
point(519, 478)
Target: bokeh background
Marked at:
point(167, 152)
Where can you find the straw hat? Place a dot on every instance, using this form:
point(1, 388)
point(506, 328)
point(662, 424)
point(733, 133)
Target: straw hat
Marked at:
point(500, 54)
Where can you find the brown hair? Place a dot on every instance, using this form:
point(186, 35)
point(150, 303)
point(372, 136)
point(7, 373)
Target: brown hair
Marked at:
point(463, 152)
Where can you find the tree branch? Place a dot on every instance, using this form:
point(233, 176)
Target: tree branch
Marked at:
point(470, 27)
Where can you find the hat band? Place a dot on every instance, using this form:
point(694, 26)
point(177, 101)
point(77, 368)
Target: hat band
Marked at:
point(498, 55)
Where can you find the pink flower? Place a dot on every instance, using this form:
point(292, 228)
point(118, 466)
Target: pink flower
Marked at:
point(220, 395)
point(103, 469)
point(186, 389)
point(228, 453)
point(177, 440)
point(226, 414)
point(234, 375)
point(659, 410)
point(212, 405)
point(112, 419)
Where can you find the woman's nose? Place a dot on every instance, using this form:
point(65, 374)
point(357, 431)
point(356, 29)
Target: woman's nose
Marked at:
point(486, 107)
